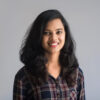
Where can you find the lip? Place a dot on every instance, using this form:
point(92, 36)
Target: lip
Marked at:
point(53, 44)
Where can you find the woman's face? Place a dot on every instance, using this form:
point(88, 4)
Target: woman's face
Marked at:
point(54, 36)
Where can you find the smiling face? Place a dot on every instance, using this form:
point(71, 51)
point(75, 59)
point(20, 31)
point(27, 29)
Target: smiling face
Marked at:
point(54, 36)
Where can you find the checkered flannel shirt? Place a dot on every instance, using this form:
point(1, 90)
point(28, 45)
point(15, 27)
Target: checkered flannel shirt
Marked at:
point(53, 89)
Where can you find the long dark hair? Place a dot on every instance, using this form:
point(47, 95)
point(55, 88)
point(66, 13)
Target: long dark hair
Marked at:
point(32, 53)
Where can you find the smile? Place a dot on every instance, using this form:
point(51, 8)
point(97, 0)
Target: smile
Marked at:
point(53, 44)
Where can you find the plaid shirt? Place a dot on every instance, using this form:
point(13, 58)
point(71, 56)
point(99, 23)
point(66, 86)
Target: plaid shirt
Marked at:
point(53, 89)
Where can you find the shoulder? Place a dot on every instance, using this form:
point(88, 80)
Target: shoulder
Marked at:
point(80, 74)
point(20, 75)
point(21, 86)
point(80, 71)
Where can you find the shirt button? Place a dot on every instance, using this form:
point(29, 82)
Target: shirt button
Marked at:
point(58, 92)
point(57, 82)
point(58, 95)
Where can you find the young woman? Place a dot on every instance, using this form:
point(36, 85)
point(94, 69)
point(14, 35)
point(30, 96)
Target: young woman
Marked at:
point(51, 70)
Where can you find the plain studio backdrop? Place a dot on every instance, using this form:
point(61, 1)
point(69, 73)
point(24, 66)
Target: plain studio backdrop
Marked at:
point(83, 17)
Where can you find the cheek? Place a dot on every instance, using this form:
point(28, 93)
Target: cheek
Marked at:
point(62, 38)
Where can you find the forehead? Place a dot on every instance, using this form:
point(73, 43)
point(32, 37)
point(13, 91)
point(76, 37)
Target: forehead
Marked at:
point(54, 24)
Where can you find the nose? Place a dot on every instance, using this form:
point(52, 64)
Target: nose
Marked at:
point(53, 36)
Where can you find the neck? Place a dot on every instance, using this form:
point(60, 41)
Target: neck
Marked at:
point(53, 59)
point(53, 65)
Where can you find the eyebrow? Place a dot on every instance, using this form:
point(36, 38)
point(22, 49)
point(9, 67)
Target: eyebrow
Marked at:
point(59, 29)
point(56, 29)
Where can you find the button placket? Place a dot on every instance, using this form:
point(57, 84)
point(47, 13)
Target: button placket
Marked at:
point(57, 89)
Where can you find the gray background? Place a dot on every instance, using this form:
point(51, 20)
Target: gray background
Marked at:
point(83, 17)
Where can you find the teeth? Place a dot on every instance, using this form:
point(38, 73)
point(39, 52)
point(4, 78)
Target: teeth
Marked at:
point(53, 44)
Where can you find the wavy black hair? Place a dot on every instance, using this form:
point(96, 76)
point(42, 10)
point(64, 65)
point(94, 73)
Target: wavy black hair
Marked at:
point(32, 53)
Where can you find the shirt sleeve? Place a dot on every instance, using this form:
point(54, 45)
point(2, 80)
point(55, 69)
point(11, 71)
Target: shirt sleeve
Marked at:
point(81, 87)
point(19, 90)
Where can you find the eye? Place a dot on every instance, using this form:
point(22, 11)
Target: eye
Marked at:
point(59, 32)
point(47, 33)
